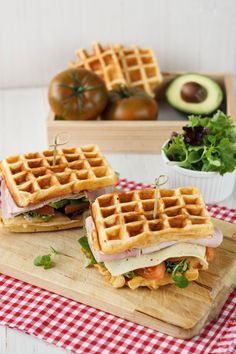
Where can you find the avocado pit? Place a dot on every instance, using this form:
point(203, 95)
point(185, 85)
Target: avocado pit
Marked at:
point(192, 92)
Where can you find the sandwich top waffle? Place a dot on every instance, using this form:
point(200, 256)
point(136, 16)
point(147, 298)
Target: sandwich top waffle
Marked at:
point(117, 65)
point(32, 178)
point(125, 220)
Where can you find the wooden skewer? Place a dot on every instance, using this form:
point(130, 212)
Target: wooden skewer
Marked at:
point(57, 143)
point(158, 182)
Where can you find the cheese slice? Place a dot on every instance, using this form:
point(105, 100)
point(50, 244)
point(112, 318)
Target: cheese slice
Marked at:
point(120, 266)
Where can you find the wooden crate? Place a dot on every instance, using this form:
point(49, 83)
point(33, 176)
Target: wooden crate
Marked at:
point(137, 136)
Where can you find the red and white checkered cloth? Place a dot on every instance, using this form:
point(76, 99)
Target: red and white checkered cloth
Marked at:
point(83, 329)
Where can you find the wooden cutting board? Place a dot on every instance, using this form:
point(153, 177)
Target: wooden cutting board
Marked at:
point(181, 313)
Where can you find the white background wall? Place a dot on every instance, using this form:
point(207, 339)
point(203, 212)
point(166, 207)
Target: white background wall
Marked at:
point(39, 37)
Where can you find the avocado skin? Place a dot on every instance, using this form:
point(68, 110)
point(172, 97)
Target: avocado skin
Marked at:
point(208, 106)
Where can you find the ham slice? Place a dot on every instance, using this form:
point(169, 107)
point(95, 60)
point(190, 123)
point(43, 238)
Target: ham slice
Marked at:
point(213, 242)
point(10, 209)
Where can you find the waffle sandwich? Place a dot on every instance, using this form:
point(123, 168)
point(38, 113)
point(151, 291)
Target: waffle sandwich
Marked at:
point(40, 193)
point(131, 246)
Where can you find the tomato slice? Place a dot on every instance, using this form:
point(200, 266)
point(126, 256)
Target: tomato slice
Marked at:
point(154, 273)
point(70, 209)
point(45, 210)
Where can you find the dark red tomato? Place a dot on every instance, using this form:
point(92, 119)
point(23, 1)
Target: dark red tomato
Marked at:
point(77, 94)
point(130, 104)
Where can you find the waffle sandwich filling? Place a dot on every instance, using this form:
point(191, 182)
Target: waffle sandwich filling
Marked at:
point(130, 247)
point(40, 195)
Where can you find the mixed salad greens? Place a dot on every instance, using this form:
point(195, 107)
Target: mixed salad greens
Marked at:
point(206, 144)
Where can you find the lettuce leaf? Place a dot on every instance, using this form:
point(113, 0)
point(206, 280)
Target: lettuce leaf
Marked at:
point(83, 241)
point(59, 204)
point(63, 202)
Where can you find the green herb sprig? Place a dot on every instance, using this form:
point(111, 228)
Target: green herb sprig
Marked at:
point(46, 261)
point(177, 269)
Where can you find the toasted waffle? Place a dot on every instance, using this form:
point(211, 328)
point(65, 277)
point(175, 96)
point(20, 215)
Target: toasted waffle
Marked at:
point(125, 220)
point(139, 67)
point(32, 178)
point(119, 66)
point(104, 62)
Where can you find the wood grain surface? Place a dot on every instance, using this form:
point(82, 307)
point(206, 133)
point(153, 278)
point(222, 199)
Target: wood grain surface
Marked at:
point(179, 312)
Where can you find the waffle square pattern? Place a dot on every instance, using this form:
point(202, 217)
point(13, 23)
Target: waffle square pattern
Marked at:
point(104, 62)
point(121, 66)
point(140, 68)
point(33, 177)
point(125, 220)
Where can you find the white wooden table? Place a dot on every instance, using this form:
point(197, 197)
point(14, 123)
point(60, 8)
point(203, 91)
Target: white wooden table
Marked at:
point(23, 115)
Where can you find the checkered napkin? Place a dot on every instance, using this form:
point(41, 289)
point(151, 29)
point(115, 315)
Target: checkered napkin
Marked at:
point(83, 329)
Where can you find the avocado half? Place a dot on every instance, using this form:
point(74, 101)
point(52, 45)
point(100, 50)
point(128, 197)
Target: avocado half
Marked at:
point(195, 94)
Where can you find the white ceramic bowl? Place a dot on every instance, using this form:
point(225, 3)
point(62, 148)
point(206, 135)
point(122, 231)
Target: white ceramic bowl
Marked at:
point(213, 186)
